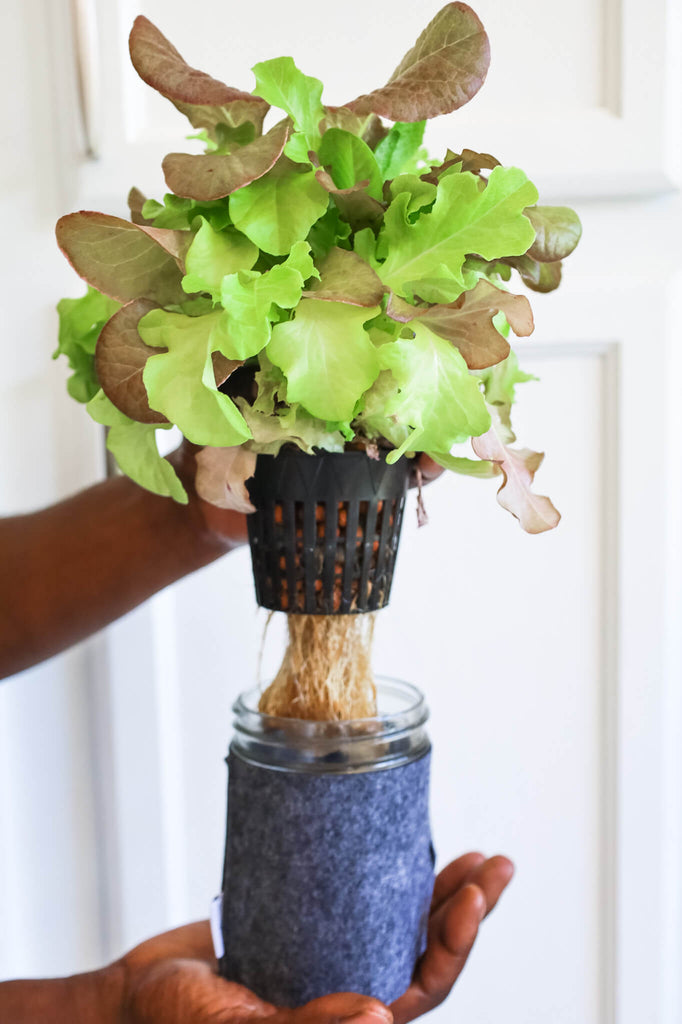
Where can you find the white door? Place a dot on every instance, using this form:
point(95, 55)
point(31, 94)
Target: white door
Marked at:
point(552, 664)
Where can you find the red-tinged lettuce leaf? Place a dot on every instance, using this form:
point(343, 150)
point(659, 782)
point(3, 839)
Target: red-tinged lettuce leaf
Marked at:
point(444, 70)
point(468, 323)
point(175, 242)
point(123, 260)
point(534, 512)
point(355, 205)
point(557, 232)
point(223, 367)
point(539, 277)
point(345, 277)
point(467, 160)
point(204, 100)
point(452, 160)
point(216, 175)
point(120, 358)
point(367, 127)
point(472, 161)
point(222, 474)
point(136, 201)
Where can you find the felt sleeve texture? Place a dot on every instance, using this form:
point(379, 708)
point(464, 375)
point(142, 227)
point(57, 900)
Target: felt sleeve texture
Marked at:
point(327, 882)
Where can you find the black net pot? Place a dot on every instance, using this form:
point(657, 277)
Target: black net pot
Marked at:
point(328, 870)
point(325, 533)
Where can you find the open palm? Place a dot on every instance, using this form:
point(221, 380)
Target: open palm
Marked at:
point(171, 979)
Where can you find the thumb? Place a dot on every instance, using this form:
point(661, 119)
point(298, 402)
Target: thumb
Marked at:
point(342, 1006)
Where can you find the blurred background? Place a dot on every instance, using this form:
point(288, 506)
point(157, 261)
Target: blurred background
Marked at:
point(552, 664)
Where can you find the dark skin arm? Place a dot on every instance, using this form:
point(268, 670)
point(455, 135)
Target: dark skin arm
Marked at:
point(172, 978)
point(71, 569)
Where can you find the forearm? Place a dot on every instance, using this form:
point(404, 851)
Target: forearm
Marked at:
point(93, 998)
point(70, 569)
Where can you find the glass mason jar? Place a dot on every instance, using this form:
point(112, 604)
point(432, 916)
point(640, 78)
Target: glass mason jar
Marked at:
point(328, 862)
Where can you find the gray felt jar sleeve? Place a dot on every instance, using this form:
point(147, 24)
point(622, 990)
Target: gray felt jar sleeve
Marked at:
point(328, 880)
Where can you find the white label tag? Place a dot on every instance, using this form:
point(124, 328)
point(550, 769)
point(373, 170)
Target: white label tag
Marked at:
point(217, 926)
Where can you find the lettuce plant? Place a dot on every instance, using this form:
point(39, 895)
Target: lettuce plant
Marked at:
point(321, 282)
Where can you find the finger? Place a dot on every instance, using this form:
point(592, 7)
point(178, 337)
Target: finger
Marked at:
point(452, 932)
point(425, 468)
point(430, 469)
point(342, 1006)
point(492, 877)
point(454, 876)
point(190, 941)
point(176, 991)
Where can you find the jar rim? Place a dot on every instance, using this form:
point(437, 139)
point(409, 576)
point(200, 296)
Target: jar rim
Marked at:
point(415, 713)
point(394, 736)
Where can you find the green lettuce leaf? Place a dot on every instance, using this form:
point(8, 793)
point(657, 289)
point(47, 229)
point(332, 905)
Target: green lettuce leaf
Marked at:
point(464, 219)
point(291, 425)
point(399, 150)
point(326, 357)
point(422, 194)
point(133, 445)
point(327, 232)
point(499, 386)
point(215, 254)
point(80, 323)
point(280, 208)
point(180, 213)
point(180, 382)
point(225, 139)
point(346, 277)
point(481, 468)
point(372, 420)
point(438, 399)
point(283, 85)
point(250, 300)
point(351, 161)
